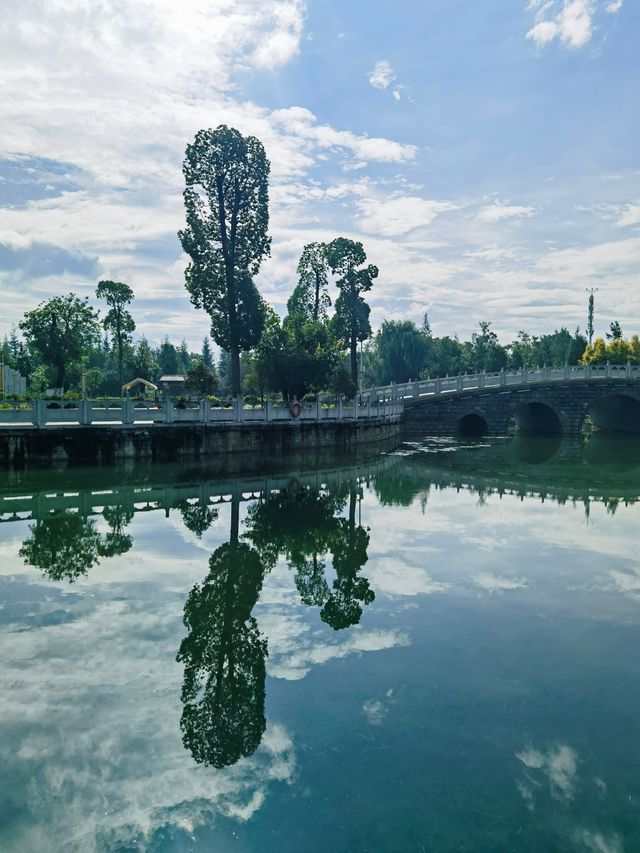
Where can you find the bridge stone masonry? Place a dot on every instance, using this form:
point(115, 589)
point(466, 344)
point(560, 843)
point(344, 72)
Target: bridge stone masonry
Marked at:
point(543, 400)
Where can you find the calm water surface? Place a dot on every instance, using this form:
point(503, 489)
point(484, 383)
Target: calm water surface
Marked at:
point(434, 650)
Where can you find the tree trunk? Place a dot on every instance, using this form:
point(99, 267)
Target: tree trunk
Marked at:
point(235, 520)
point(354, 361)
point(60, 375)
point(353, 502)
point(234, 358)
point(120, 359)
point(228, 249)
point(316, 304)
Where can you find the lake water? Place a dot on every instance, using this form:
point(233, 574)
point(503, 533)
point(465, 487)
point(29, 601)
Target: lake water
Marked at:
point(435, 649)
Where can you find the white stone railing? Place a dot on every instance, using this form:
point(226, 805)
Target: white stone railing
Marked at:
point(385, 402)
point(453, 385)
point(127, 412)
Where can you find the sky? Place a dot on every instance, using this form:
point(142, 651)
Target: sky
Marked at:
point(486, 154)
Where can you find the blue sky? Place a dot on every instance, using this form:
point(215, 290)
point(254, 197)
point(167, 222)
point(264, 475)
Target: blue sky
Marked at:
point(484, 153)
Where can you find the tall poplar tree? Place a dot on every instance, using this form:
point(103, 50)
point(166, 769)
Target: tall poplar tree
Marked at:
point(118, 321)
point(351, 321)
point(310, 297)
point(226, 199)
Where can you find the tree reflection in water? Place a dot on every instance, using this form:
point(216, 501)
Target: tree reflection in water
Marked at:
point(305, 526)
point(224, 657)
point(197, 517)
point(65, 545)
point(349, 548)
point(224, 653)
point(116, 541)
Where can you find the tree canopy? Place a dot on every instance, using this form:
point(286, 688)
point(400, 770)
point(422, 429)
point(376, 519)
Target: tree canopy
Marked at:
point(310, 298)
point(118, 320)
point(201, 379)
point(294, 357)
point(351, 320)
point(61, 331)
point(401, 352)
point(614, 351)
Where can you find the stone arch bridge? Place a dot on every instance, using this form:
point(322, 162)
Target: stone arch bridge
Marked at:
point(541, 400)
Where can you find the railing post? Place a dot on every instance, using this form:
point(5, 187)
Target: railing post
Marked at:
point(339, 408)
point(587, 370)
point(503, 377)
point(85, 416)
point(525, 375)
point(267, 410)
point(205, 410)
point(39, 412)
point(168, 411)
point(481, 380)
point(438, 385)
point(566, 371)
point(238, 410)
point(355, 408)
point(416, 389)
point(318, 409)
point(369, 406)
point(127, 410)
point(459, 383)
point(608, 370)
point(628, 370)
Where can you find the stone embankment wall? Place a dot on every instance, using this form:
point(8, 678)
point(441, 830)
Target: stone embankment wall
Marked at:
point(20, 447)
point(570, 402)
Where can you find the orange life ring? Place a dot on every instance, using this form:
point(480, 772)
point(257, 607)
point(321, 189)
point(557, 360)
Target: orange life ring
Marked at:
point(295, 408)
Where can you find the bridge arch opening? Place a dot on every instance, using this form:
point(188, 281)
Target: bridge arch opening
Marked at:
point(537, 418)
point(617, 413)
point(473, 424)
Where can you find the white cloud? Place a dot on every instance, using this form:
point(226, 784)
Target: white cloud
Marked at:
point(559, 764)
point(398, 215)
point(294, 649)
point(598, 842)
point(631, 216)
point(497, 211)
point(382, 75)
point(390, 576)
point(375, 710)
point(572, 22)
point(572, 25)
point(302, 123)
point(498, 583)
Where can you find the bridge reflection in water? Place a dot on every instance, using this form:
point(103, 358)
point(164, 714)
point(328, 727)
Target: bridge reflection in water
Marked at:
point(312, 521)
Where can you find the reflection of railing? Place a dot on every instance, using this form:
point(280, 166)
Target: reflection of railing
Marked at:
point(452, 385)
point(41, 413)
point(143, 498)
